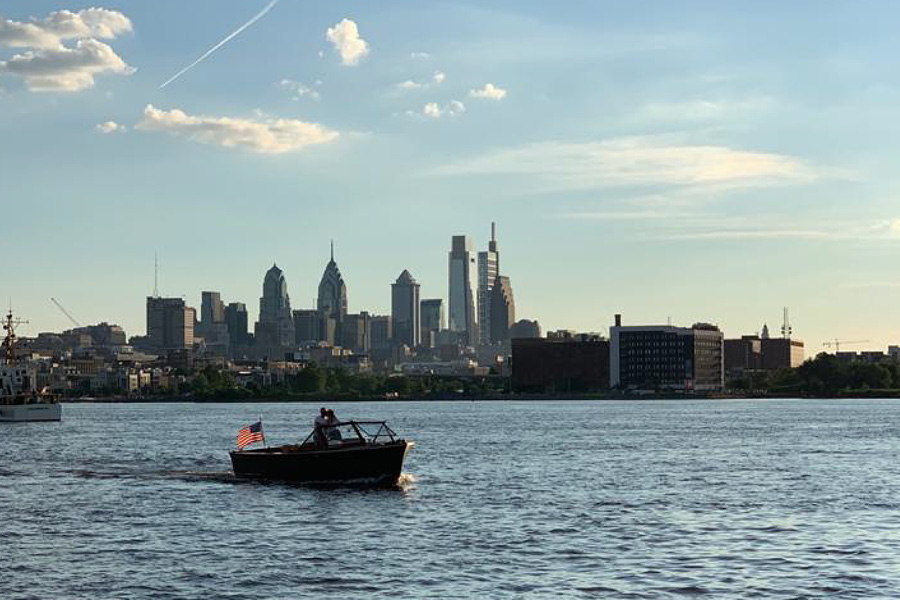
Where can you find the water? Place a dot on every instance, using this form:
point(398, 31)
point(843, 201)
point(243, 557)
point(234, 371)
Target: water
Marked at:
point(767, 499)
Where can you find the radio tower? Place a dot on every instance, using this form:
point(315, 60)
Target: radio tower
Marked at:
point(786, 326)
point(155, 275)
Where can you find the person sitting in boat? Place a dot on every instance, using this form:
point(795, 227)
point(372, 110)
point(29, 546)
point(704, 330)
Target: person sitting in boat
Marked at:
point(333, 433)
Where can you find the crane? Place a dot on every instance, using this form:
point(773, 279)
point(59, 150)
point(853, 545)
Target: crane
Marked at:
point(836, 344)
point(65, 312)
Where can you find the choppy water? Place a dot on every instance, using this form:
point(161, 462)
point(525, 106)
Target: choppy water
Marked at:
point(766, 499)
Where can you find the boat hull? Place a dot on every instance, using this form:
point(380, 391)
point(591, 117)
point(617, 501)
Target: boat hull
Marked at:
point(21, 413)
point(371, 464)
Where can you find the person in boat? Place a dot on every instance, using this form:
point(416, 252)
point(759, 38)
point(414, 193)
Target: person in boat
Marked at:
point(319, 425)
point(333, 433)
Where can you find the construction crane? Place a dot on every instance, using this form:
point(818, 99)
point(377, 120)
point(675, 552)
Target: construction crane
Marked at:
point(836, 344)
point(65, 312)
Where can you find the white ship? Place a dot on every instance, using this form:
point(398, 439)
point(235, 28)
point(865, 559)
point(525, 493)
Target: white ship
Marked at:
point(19, 396)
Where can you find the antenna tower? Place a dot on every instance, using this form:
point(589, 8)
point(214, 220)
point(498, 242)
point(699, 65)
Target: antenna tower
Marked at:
point(786, 326)
point(155, 275)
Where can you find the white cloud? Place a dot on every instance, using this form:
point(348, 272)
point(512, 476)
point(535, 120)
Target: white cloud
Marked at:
point(433, 110)
point(50, 31)
point(419, 55)
point(409, 84)
point(638, 161)
point(111, 127)
point(489, 91)
point(65, 69)
point(345, 38)
point(50, 65)
point(272, 136)
point(438, 77)
point(300, 90)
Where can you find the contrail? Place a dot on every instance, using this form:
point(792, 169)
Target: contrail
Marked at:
point(256, 18)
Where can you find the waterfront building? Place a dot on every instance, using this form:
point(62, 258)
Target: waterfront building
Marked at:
point(664, 357)
point(743, 354)
point(432, 320)
point(560, 365)
point(525, 329)
point(170, 324)
point(502, 310)
point(781, 353)
point(275, 328)
point(405, 310)
point(488, 270)
point(462, 286)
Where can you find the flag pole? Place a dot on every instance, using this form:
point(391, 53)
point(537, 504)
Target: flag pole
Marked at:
point(263, 431)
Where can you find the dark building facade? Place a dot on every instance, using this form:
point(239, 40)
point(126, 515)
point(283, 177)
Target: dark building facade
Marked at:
point(560, 365)
point(502, 310)
point(238, 323)
point(658, 357)
point(431, 312)
point(743, 354)
point(781, 353)
point(170, 324)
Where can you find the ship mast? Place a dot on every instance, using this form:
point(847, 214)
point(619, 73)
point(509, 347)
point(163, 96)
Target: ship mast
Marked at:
point(9, 341)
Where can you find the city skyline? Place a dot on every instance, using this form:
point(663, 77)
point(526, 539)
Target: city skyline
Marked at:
point(655, 160)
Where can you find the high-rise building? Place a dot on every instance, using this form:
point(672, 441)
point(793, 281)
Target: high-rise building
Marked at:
point(382, 332)
point(462, 280)
point(170, 324)
point(432, 319)
point(307, 327)
point(275, 328)
point(237, 323)
point(503, 310)
point(332, 299)
point(488, 269)
point(356, 332)
point(654, 357)
point(212, 310)
point(405, 310)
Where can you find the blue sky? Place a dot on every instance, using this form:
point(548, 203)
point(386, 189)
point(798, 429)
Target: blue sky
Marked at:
point(684, 160)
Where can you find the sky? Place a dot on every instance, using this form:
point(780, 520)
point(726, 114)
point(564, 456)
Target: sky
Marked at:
point(685, 161)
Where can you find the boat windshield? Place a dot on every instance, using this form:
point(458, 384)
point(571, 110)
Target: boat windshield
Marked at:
point(352, 432)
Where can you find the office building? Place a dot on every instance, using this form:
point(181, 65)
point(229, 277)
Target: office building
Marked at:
point(743, 354)
point(405, 310)
point(170, 324)
point(462, 286)
point(238, 324)
point(663, 357)
point(332, 299)
point(212, 310)
point(524, 328)
point(382, 332)
point(356, 332)
point(781, 353)
point(432, 315)
point(307, 327)
point(502, 310)
point(575, 364)
point(275, 328)
point(488, 269)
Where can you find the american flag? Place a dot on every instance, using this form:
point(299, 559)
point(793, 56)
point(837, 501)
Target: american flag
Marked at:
point(250, 435)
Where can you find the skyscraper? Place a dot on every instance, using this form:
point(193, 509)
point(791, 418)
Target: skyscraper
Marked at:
point(488, 269)
point(432, 316)
point(463, 319)
point(332, 301)
point(275, 328)
point(503, 310)
point(405, 310)
point(212, 310)
point(237, 322)
point(170, 324)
